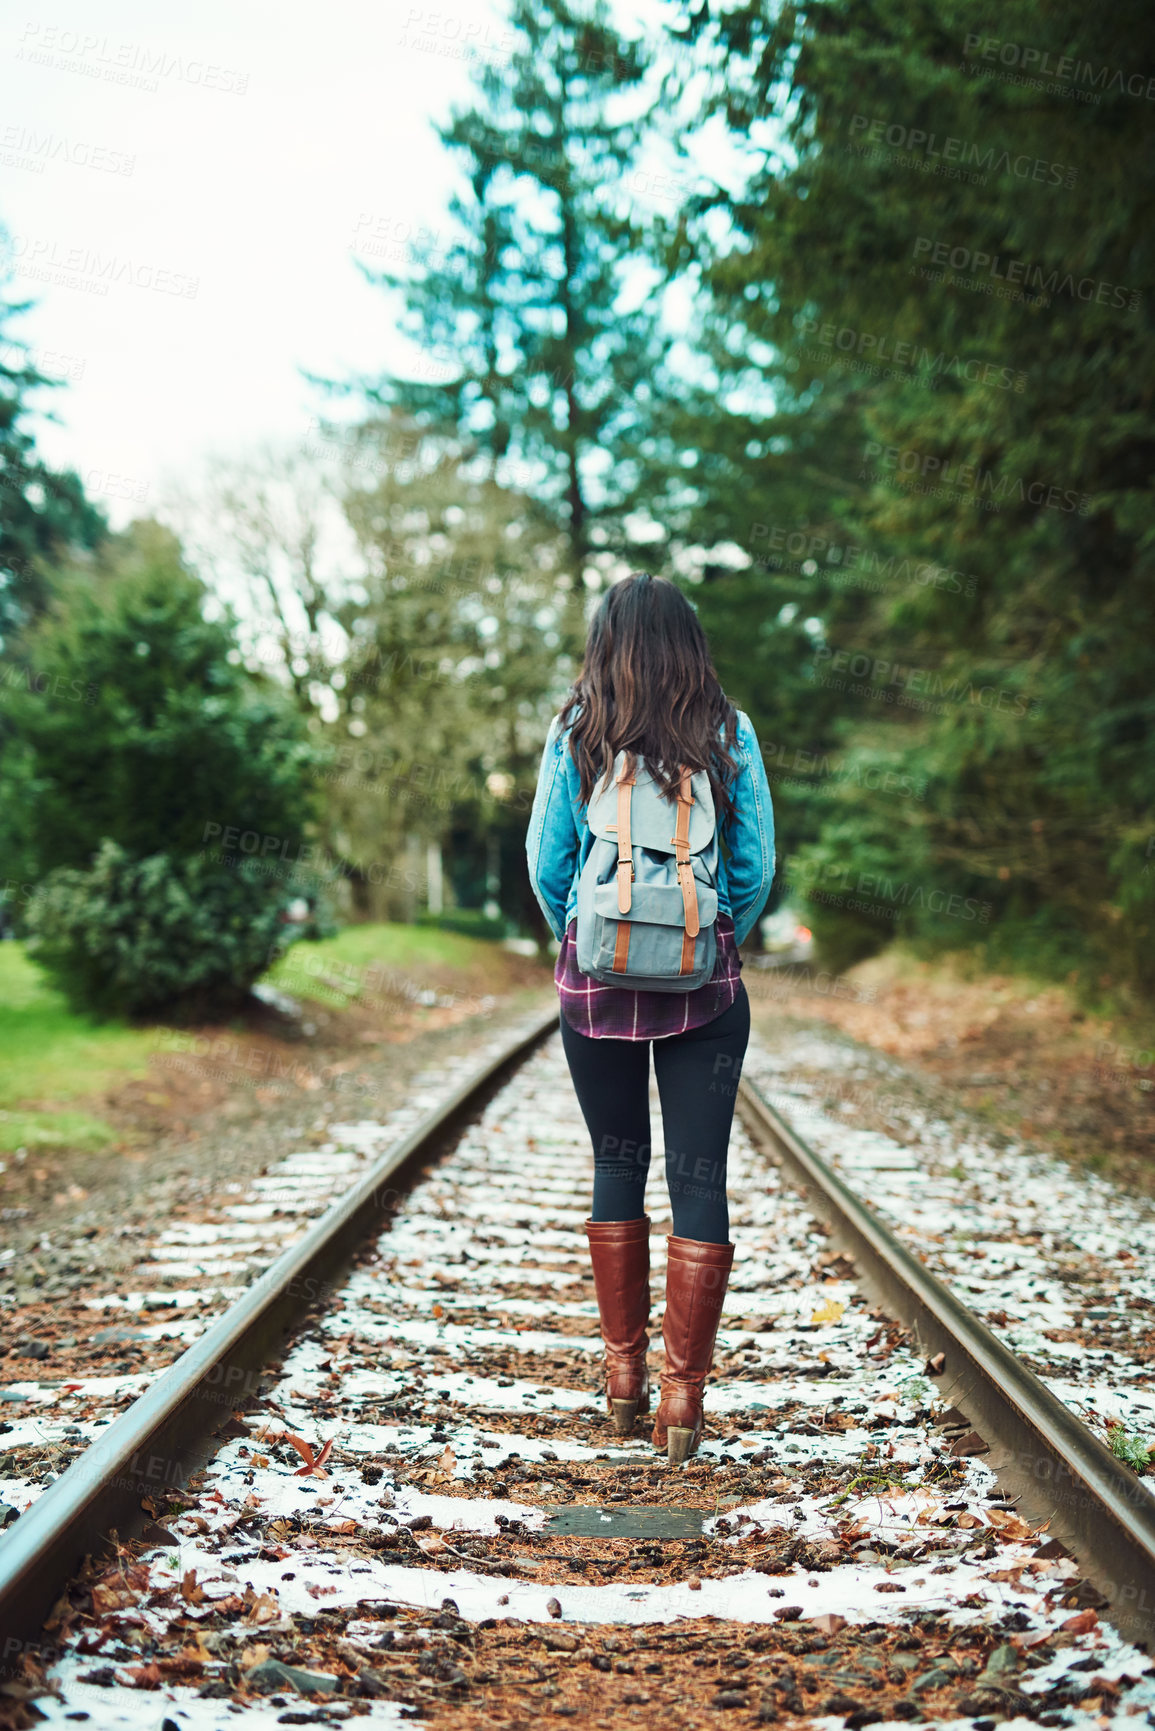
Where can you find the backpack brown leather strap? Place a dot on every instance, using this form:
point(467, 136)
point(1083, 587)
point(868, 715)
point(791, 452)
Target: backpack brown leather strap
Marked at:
point(681, 841)
point(621, 947)
point(625, 848)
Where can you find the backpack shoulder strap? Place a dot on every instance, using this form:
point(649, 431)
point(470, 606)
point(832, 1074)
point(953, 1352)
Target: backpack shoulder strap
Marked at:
point(681, 840)
point(625, 844)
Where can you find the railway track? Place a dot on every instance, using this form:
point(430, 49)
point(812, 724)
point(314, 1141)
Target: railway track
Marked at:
point(382, 1483)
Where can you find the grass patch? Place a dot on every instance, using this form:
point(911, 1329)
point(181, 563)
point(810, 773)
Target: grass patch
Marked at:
point(55, 1065)
point(52, 1057)
point(375, 960)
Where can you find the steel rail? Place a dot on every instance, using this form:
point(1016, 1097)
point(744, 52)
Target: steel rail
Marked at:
point(1058, 1470)
point(167, 1432)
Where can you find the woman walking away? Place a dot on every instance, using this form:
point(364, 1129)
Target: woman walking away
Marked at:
point(646, 770)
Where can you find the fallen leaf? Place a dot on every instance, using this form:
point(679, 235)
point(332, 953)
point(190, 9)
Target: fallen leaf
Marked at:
point(429, 1543)
point(107, 1597)
point(145, 1676)
point(827, 1623)
point(971, 1444)
point(313, 1463)
point(303, 1448)
point(831, 1311)
point(1081, 1623)
point(189, 1591)
point(265, 1608)
point(1012, 1525)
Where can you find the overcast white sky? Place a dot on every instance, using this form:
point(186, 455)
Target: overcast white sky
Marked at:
point(185, 192)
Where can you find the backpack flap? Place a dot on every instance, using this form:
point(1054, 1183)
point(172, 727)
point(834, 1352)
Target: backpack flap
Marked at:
point(651, 817)
point(654, 904)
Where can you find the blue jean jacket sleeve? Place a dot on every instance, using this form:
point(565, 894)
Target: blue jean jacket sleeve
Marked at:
point(552, 841)
point(749, 834)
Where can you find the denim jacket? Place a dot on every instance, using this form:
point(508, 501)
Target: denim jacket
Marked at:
point(559, 838)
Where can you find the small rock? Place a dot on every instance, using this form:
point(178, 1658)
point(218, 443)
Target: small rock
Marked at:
point(271, 1675)
point(694, 1584)
point(788, 1613)
point(729, 1698)
point(553, 1606)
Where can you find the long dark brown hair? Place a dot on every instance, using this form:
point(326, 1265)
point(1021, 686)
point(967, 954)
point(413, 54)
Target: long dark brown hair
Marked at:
point(647, 684)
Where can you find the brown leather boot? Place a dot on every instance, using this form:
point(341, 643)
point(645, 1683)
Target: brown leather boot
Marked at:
point(620, 1253)
point(696, 1278)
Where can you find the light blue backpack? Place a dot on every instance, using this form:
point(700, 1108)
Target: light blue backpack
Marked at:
point(647, 896)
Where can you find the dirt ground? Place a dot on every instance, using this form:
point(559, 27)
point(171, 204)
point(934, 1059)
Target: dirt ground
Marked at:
point(1025, 1060)
point(218, 1103)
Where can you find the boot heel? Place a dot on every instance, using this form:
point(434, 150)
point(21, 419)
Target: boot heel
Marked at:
point(679, 1444)
point(623, 1414)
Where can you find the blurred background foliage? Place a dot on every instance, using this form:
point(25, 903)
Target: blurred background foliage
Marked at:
point(878, 393)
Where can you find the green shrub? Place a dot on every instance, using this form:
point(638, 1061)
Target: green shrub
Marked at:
point(133, 936)
point(155, 798)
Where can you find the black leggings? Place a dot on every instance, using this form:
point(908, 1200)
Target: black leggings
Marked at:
point(697, 1075)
